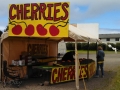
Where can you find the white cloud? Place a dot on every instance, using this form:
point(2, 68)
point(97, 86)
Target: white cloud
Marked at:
point(95, 7)
point(98, 7)
point(109, 31)
point(115, 32)
point(2, 28)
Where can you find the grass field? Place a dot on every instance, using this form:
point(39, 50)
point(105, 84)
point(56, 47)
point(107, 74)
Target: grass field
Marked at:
point(115, 82)
point(93, 52)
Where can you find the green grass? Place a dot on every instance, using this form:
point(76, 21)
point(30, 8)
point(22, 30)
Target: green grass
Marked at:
point(93, 52)
point(115, 82)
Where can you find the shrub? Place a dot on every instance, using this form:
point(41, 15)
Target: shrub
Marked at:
point(78, 46)
point(118, 46)
point(92, 46)
point(70, 46)
point(84, 46)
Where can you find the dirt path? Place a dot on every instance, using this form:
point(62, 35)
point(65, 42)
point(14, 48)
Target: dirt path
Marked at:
point(112, 61)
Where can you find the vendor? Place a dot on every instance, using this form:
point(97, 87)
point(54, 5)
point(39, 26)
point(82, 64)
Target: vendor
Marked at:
point(69, 56)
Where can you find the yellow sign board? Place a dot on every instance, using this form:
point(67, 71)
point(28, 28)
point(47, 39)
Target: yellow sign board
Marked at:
point(39, 19)
point(67, 73)
point(63, 74)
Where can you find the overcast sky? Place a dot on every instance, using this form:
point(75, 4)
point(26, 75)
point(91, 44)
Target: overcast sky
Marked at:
point(104, 12)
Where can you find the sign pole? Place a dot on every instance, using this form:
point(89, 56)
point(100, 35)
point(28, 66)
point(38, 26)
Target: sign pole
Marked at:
point(76, 67)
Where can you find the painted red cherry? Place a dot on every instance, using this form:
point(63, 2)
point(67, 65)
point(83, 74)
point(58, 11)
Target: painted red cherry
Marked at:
point(29, 30)
point(17, 29)
point(54, 31)
point(41, 30)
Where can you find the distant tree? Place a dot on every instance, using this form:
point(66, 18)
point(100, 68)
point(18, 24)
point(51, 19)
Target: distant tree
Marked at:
point(70, 46)
point(92, 46)
point(78, 46)
point(118, 46)
point(1, 33)
point(84, 46)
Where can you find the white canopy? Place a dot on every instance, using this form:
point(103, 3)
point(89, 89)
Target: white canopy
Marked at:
point(74, 33)
point(78, 34)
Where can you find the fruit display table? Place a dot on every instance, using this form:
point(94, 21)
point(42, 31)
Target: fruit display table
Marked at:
point(63, 73)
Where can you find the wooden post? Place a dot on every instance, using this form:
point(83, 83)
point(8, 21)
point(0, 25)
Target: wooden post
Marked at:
point(76, 67)
point(87, 61)
point(0, 62)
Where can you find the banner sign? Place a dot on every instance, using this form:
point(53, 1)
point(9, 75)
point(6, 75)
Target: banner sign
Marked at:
point(91, 69)
point(39, 19)
point(38, 49)
point(63, 74)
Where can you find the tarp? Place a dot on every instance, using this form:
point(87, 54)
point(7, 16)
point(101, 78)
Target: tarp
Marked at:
point(79, 34)
point(91, 28)
point(74, 33)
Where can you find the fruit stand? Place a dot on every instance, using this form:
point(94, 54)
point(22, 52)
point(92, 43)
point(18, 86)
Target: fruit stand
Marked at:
point(64, 73)
point(36, 34)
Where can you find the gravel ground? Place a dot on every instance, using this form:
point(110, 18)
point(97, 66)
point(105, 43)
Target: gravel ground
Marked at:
point(112, 62)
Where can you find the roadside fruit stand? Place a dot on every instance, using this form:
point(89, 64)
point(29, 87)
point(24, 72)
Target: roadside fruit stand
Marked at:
point(33, 36)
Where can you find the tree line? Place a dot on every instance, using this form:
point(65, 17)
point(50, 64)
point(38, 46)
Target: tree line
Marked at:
point(92, 46)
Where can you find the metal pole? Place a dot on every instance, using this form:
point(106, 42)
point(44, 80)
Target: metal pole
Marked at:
point(96, 49)
point(88, 51)
point(76, 67)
